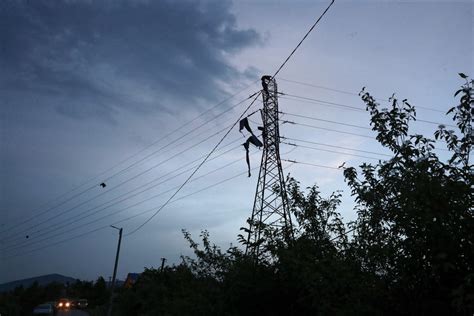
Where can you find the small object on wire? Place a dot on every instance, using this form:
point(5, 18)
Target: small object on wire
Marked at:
point(342, 166)
point(103, 185)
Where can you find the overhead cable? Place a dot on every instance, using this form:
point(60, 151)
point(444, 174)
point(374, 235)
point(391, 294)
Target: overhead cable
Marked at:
point(351, 93)
point(330, 151)
point(47, 220)
point(195, 170)
point(29, 219)
point(335, 146)
point(323, 102)
point(59, 233)
point(327, 121)
point(326, 129)
point(310, 164)
point(302, 40)
point(346, 106)
point(118, 199)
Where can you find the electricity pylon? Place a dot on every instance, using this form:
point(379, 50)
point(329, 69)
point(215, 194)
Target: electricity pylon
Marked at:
point(270, 214)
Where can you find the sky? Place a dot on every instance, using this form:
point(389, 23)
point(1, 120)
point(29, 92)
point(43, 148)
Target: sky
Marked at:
point(129, 93)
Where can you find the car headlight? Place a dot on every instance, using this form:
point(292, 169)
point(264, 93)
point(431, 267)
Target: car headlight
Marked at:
point(68, 304)
point(60, 304)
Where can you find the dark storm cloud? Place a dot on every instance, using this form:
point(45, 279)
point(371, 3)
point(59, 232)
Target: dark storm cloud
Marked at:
point(88, 58)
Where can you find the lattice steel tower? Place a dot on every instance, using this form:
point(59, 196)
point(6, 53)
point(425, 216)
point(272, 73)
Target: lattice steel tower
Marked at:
point(270, 208)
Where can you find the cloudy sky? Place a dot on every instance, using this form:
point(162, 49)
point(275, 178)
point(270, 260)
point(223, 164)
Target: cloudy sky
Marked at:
point(109, 91)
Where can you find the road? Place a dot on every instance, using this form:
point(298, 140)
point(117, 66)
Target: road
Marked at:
point(72, 312)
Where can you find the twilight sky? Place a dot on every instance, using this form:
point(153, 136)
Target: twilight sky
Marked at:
point(86, 84)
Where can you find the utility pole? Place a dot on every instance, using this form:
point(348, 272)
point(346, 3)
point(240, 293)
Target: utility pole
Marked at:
point(162, 264)
point(270, 208)
point(109, 311)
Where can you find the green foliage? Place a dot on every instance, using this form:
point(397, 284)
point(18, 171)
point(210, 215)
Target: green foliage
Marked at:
point(415, 225)
point(409, 252)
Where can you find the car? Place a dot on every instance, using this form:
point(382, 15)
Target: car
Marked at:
point(82, 303)
point(44, 309)
point(64, 303)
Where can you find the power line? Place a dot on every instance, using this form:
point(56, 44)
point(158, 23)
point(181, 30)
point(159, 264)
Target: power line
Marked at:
point(121, 162)
point(324, 88)
point(135, 163)
point(118, 185)
point(196, 192)
point(28, 244)
point(330, 151)
point(195, 170)
point(49, 209)
point(433, 122)
point(123, 197)
point(327, 121)
point(335, 146)
point(179, 138)
point(352, 93)
point(346, 106)
point(323, 102)
point(23, 245)
point(339, 131)
point(326, 129)
point(302, 40)
point(133, 216)
point(310, 164)
point(130, 217)
point(125, 194)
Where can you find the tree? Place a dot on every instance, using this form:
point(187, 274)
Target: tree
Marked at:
point(100, 293)
point(415, 225)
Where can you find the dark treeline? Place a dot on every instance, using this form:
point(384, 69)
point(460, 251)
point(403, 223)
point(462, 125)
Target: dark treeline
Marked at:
point(409, 251)
point(22, 301)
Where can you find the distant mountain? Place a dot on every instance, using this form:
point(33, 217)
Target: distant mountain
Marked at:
point(42, 280)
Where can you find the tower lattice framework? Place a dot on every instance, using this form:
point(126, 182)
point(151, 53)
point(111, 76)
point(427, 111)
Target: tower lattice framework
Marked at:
point(270, 209)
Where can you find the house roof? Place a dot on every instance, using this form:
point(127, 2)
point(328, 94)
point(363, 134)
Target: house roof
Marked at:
point(133, 276)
